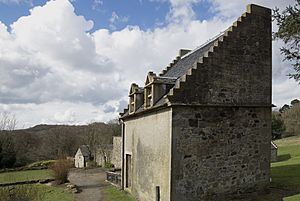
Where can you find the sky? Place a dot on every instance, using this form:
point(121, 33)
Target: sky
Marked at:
point(72, 61)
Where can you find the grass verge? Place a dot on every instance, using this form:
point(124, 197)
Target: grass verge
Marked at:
point(111, 193)
point(54, 193)
point(34, 192)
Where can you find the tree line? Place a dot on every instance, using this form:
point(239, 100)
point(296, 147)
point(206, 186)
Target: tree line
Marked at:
point(47, 142)
point(286, 121)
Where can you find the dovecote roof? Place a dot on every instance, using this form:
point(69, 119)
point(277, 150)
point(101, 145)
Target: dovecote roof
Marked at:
point(182, 67)
point(85, 150)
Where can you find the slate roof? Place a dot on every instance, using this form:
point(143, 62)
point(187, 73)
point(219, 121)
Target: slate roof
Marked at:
point(179, 69)
point(85, 150)
point(187, 61)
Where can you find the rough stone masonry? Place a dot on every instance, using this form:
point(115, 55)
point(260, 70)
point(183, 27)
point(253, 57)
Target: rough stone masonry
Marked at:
point(203, 131)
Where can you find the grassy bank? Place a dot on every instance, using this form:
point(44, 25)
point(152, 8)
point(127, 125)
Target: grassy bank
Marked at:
point(285, 173)
point(111, 193)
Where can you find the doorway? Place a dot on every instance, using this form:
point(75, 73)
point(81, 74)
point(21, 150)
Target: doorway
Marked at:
point(128, 171)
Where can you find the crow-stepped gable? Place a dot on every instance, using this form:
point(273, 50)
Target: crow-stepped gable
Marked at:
point(201, 129)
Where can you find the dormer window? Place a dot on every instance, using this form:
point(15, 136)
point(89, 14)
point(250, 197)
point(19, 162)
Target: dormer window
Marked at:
point(136, 97)
point(148, 96)
point(156, 88)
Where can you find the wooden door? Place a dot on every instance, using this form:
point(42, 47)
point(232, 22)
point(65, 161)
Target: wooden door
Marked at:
point(128, 171)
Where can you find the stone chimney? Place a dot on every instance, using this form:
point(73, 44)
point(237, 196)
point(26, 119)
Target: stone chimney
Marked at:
point(183, 52)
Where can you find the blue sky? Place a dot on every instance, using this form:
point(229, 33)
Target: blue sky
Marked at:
point(73, 61)
point(144, 13)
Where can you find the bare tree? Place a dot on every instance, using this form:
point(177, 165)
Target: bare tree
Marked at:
point(115, 127)
point(7, 121)
point(7, 147)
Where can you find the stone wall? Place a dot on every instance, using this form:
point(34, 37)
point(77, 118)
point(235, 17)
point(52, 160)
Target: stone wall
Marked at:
point(238, 71)
point(148, 141)
point(116, 157)
point(219, 151)
point(103, 155)
point(222, 115)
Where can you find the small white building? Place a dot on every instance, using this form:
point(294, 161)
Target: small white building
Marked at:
point(83, 155)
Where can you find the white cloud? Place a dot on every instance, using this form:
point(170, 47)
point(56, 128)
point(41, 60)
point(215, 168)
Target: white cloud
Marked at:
point(181, 11)
point(53, 71)
point(51, 56)
point(17, 2)
point(236, 7)
point(115, 18)
point(58, 112)
point(96, 4)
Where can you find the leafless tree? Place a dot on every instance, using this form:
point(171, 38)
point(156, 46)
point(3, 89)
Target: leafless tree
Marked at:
point(7, 121)
point(7, 147)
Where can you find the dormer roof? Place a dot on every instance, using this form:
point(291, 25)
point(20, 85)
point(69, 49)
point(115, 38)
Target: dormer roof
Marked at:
point(150, 78)
point(134, 88)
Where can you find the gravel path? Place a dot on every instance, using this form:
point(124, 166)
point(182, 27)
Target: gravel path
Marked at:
point(90, 182)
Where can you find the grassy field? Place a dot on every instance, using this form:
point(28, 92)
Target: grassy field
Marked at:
point(285, 172)
point(45, 193)
point(111, 193)
point(27, 175)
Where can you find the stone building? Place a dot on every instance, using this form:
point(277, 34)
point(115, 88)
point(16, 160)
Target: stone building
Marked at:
point(102, 154)
point(82, 156)
point(201, 129)
point(116, 155)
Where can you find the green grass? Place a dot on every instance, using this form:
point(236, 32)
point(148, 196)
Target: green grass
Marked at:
point(27, 175)
point(292, 198)
point(111, 193)
point(36, 192)
point(54, 193)
point(285, 172)
point(42, 164)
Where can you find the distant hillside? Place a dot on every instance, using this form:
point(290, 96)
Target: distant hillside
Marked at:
point(43, 142)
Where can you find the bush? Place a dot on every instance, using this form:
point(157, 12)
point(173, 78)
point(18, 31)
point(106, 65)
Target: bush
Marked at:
point(20, 193)
point(108, 165)
point(61, 170)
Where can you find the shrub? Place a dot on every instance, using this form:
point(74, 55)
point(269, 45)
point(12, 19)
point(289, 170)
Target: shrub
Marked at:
point(20, 193)
point(108, 165)
point(61, 170)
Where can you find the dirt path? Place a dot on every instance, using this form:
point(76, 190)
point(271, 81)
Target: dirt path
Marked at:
point(90, 182)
